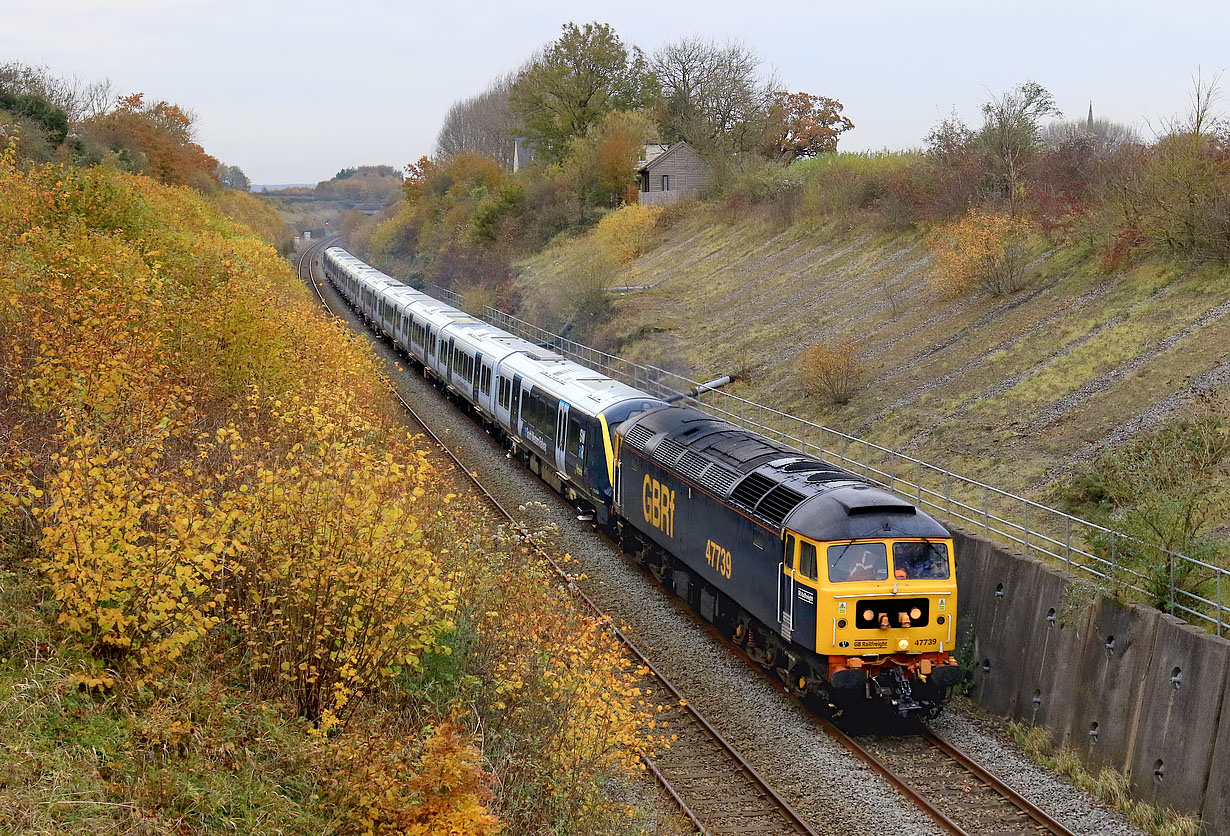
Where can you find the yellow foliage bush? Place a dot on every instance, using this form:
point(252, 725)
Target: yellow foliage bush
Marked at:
point(256, 214)
point(627, 233)
point(197, 453)
point(983, 250)
point(431, 787)
point(832, 370)
point(222, 458)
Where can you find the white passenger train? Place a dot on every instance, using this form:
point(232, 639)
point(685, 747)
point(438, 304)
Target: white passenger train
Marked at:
point(557, 416)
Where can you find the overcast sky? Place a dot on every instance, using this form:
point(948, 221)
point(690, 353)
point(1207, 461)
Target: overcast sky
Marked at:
point(294, 91)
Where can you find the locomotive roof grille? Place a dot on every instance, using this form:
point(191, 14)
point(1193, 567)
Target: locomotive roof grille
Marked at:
point(752, 489)
point(639, 436)
point(668, 451)
point(719, 479)
point(778, 503)
point(691, 465)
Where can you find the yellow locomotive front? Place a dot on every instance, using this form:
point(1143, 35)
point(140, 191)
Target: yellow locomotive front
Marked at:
point(886, 611)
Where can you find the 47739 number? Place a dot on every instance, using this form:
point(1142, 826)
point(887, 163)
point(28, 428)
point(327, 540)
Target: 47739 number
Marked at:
point(719, 559)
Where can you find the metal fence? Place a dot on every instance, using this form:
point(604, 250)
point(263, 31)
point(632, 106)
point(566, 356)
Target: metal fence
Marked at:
point(1121, 565)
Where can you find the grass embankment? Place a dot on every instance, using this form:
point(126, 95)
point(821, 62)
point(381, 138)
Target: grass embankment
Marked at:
point(1013, 388)
point(234, 595)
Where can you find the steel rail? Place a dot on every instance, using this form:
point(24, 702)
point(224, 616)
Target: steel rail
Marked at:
point(994, 782)
point(788, 812)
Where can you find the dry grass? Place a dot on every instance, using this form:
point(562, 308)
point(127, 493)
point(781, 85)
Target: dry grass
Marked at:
point(1110, 785)
point(956, 381)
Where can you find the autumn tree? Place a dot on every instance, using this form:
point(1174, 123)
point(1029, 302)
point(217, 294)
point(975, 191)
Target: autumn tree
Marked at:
point(712, 94)
point(482, 124)
point(158, 139)
point(579, 79)
point(601, 165)
point(806, 125)
point(232, 177)
point(362, 184)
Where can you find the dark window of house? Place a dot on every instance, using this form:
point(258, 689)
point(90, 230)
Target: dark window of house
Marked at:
point(666, 182)
point(645, 182)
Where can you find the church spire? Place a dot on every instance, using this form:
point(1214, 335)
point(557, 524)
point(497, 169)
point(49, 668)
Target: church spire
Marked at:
point(1089, 124)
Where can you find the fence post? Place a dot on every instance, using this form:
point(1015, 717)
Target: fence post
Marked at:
point(1067, 541)
point(1219, 602)
point(1170, 556)
point(986, 510)
point(1025, 524)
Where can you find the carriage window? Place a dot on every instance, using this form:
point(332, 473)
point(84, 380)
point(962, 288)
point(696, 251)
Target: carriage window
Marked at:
point(576, 438)
point(920, 561)
point(486, 377)
point(858, 562)
point(807, 559)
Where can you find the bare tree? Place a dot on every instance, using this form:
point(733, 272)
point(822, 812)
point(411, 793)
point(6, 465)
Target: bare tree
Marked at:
point(78, 98)
point(481, 124)
point(714, 95)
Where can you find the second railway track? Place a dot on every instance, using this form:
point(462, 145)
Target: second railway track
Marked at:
point(720, 792)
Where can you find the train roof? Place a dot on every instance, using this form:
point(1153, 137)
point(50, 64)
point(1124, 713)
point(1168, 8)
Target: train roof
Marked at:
point(580, 385)
point(771, 481)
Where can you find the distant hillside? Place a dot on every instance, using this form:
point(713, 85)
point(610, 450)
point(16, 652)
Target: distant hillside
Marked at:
point(1015, 389)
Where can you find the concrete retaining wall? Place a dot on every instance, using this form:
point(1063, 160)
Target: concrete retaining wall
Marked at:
point(1122, 685)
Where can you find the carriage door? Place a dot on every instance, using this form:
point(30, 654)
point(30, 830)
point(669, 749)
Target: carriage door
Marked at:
point(478, 374)
point(785, 589)
point(514, 409)
point(449, 376)
point(561, 437)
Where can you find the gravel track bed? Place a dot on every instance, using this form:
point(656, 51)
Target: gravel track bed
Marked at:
point(827, 785)
point(982, 739)
point(974, 806)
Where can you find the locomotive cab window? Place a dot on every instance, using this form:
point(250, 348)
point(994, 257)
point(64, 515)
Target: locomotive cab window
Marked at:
point(851, 562)
point(788, 555)
point(920, 561)
point(807, 559)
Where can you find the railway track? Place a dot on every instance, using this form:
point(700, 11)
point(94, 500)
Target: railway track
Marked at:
point(721, 793)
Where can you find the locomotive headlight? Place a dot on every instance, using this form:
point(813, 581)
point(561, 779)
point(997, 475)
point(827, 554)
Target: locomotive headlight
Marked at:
point(868, 615)
point(915, 614)
point(903, 644)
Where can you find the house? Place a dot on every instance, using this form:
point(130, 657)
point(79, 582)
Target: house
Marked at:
point(668, 173)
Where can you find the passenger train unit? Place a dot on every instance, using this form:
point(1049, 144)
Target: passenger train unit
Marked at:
point(847, 591)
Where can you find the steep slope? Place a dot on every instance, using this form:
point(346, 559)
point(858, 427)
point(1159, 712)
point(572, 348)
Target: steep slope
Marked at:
point(1013, 389)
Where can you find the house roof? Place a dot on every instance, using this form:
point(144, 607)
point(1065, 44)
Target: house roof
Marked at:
point(653, 160)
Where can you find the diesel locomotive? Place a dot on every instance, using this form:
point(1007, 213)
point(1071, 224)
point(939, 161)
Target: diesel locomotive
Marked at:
point(847, 591)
